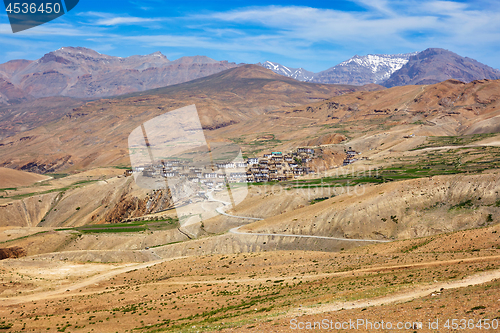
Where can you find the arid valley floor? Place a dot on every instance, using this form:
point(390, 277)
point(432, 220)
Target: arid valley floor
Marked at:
point(410, 233)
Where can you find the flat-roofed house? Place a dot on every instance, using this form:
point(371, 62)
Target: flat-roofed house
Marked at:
point(305, 150)
point(253, 161)
point(210, 175)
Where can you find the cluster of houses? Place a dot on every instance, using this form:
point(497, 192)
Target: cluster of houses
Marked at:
point(350, 156)
point(275, 166)
point(278, 166)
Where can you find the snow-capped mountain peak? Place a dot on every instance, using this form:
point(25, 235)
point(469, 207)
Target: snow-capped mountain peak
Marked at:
point(381, 65)
point(295, 73)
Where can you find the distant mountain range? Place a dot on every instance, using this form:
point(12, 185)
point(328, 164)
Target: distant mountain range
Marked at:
point(430, 66)
point(81, 72)
point(84, 73)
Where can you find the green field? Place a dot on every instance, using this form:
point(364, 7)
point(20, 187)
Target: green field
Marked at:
point(165, 224)
point(428, 164)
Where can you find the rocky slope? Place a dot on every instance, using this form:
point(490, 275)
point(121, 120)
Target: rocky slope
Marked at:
point(399, 210)
point(10, 94)
point(21, 117)
point(435, 65)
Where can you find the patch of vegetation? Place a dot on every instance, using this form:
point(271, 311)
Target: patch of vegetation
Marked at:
point(316, 200)
point(463, 204)
point(5, 326)
point(121, 167)
point(440, 141)
point(479, 307)
point(23, 237)
point(416, 246)
point(27, 195)
point(110, 230)
point(63, 329)
point(82, 182)
point(226, 312)
point(57, 175)
point(163, 224)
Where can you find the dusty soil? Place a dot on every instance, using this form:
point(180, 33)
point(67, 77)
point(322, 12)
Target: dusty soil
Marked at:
point(258, 291)
point(10, 178)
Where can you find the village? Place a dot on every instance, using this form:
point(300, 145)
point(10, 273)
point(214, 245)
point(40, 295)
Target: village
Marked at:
point(272, 167)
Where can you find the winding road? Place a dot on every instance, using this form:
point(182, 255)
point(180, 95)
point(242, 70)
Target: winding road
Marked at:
point(221, 211)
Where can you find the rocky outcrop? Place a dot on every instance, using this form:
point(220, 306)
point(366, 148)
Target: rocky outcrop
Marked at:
point(12, 252)
point(130, 207)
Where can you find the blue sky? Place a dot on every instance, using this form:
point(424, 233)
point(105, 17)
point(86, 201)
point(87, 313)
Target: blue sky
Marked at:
point(311, 34)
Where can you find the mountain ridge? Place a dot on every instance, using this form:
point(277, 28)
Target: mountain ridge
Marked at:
point(84, 73)
point(79, 72)
point(432, 65)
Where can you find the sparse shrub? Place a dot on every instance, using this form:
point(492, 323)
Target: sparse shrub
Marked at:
point(489, 218)
point(463, 204)
point(77, 208)
point(394, 218)
point(5, 326)
point(479, 307)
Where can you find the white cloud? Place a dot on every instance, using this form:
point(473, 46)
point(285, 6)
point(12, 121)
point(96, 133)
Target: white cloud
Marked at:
point(383, 25)
point(107, 19)
point(50, 30)
point(125, 20)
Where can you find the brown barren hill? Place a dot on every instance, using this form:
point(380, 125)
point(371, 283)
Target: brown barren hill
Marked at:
point(16, 178)
point(96, 134)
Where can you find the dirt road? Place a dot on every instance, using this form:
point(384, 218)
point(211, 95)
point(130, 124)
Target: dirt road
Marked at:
point(66, 290)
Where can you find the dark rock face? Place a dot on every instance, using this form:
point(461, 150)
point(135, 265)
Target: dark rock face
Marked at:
point(437, 65)
point(131, 207)
point(12, 252)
